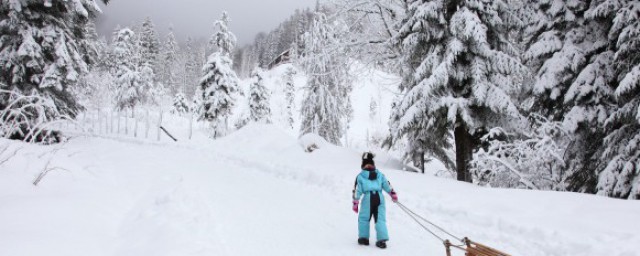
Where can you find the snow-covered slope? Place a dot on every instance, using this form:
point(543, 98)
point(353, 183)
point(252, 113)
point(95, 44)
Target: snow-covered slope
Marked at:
point(256, 192)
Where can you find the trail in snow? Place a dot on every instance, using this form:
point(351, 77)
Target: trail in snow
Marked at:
point(257, 193)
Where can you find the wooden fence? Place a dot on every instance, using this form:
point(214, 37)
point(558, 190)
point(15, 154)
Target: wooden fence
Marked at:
point(142, 124)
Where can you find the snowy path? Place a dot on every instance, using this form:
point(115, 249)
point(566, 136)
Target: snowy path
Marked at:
point(232, 206)
point(257, 194)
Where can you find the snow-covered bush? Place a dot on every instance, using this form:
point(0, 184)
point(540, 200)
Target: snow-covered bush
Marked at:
point(310, 142)
point(180, 104)
point(532, 160)
point(28, 117)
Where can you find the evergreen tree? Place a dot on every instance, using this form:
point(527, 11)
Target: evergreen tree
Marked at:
point(326, 105)
point(459, 70)
point(170, 57)
point(575, 79)
point(191, 70)
point(224, 40)
point(619, 174)
point(290, 94)
point(128, 79)
point(149, 43)
point(45, 48)
point(260, 111)
point(152, 92)
point(219, 82)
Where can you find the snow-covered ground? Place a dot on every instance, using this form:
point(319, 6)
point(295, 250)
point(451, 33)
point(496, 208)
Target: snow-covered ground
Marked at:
point(256, 192)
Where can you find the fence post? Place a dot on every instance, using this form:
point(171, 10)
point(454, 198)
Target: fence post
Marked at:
point(135, 119)
point(159, 124)
point(110, 121)
point(119, 118)
point(190, 125)
point(146, 133)
point(99, 122)
point(126, 123)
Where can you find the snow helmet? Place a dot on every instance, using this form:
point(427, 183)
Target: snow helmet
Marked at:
point(367, 158)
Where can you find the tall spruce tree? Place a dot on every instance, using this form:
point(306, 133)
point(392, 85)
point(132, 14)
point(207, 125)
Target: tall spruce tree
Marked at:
point(217, 86)
point(290, 94)
point(459, 72)
point(326, 105)
point(259, 108)
point(619, 172)
point(128, 79)
point(149, 44)
point(191, 67)
point(170, 50)
point(572, 81)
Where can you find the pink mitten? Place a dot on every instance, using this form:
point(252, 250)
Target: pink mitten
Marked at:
point(355, 206)
point(394, 196)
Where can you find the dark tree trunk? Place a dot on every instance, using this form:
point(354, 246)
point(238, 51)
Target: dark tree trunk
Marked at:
point(422, 161)
point(464, 149)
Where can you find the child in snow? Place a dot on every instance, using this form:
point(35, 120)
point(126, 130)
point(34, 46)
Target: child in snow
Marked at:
point(370, 183)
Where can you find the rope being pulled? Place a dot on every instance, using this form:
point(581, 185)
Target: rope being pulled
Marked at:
point(417, 218)
point(471, 248)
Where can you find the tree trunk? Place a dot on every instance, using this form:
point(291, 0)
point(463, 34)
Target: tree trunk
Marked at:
point(422, 154)
point(464, 149)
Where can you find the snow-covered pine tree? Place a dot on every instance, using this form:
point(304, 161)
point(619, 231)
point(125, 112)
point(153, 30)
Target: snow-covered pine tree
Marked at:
point(152, 92)
point(326, 106)
point(619, 173)
point(169, 58)
point(149, 44)
point(217, 86)
point(44, 48)
point(574, 81)
point(554, 51)
point(290, 93)
point(224, 40)
point(260, 111)
point(127, 75)
point(192, 66)
point(459, 70)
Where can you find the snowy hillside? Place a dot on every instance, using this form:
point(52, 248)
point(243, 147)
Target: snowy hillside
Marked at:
point(256, 192)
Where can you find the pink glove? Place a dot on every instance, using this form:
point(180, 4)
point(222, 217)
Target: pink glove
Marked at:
point(355, 205)
point(394, 196)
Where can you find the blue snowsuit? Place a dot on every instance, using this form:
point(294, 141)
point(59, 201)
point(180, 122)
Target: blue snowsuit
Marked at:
point(373, 204)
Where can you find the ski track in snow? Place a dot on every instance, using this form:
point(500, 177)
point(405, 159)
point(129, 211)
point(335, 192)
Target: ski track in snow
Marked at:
point(252, 194)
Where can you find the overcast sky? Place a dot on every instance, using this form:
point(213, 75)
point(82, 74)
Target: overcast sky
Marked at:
point(195, 17)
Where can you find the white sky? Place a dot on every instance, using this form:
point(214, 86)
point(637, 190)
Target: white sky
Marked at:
point(195, 17)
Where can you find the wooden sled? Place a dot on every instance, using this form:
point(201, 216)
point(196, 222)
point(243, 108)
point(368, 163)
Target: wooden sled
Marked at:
point(472, 248)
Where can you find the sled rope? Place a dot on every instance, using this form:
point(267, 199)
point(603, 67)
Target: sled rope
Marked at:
point(416, 217)
point(470, 247)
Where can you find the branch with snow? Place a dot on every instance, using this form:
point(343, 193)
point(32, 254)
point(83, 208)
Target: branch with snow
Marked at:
point(28, 117)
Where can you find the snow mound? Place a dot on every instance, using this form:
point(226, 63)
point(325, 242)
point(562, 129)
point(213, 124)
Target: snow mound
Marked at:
point(310, 142)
